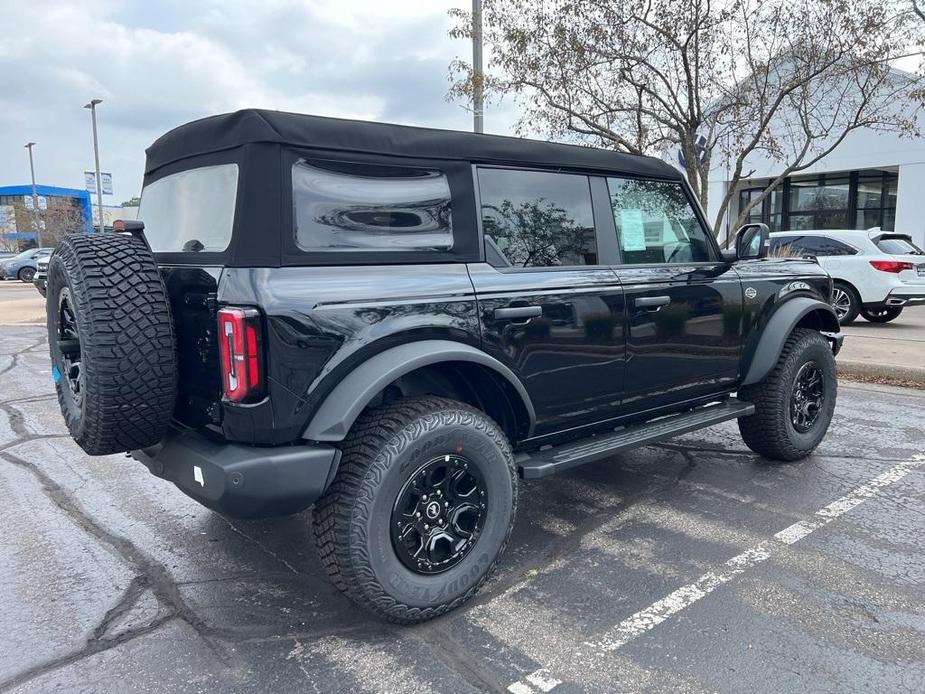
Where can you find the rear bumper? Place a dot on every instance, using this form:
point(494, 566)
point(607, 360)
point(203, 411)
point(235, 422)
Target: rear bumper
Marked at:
point(906, 296)
point(242, 481)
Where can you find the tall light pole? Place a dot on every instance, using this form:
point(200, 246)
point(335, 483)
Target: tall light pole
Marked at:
point(35, 197)
point(478, 108)
point(96, 154)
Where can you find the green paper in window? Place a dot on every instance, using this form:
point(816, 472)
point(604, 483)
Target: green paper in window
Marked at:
point(632, 231)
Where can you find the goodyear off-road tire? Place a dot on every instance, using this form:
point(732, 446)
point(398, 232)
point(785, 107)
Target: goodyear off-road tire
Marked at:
point(388, 449)
point(783, 427)
point(111, 340)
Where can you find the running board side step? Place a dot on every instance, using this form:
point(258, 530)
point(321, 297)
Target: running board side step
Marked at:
point(547, 462)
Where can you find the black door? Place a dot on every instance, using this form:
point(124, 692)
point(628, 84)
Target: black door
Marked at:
point(549, 307)
point(684, 305)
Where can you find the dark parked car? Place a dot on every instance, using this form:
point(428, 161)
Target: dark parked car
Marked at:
point(23, 266)
point(395, 323)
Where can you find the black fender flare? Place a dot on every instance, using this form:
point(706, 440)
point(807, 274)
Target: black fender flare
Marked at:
point(340, 409)
point(779, 327)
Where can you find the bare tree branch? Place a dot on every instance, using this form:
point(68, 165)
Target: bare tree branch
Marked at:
point(738, 86)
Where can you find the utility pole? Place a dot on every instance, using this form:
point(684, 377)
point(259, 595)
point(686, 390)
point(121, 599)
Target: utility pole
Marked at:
point(35, 198)
point(478, 105)
point(96, 154)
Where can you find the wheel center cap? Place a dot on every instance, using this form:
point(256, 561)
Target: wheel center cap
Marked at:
point(432, 510)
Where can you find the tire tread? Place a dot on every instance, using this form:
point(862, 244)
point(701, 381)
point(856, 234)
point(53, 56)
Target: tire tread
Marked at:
point(337, 517)
point(128, 346)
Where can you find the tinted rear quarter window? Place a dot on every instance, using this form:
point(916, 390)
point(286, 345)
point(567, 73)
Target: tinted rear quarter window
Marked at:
point(899, 247)
point(190, 211)
point(364, 207)
point(537, 218)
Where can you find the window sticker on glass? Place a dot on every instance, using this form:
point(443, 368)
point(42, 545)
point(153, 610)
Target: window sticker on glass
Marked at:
point(633, 230)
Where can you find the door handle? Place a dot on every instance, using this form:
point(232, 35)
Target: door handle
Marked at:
point(518, 312)
point(650, 302)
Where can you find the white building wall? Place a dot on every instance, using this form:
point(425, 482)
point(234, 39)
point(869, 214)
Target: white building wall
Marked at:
point(861, 149)
point(910, 202)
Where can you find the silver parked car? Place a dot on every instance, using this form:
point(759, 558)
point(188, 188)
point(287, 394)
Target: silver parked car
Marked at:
point(24, 265)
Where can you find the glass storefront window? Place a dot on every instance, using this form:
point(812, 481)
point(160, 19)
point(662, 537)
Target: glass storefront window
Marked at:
point(892, 182)
point(862, 200)
point(816, 195)
point(868, 218)
point(870, 192)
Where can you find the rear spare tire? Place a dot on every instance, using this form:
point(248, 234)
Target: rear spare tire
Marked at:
point(111, 340)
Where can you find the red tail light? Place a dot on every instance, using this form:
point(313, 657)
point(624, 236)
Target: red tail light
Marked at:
point(239, 345)
point(896, 266)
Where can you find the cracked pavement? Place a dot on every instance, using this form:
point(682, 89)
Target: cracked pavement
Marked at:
point(113, 580)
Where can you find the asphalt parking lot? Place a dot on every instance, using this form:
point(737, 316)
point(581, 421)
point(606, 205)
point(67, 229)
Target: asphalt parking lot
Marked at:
point(691, 566)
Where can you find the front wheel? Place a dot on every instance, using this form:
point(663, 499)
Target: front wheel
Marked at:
point(882, 314)
point(795, 402)
point(420, 509)
point(846, 302)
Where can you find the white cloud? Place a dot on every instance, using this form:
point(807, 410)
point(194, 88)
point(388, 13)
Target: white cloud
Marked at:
point(159, 64)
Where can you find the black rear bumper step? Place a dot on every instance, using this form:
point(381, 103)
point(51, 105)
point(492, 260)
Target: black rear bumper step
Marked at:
point(552, 460)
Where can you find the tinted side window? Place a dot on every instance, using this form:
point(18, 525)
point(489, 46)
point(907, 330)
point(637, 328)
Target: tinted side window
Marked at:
point(821, 246)
point(537, 219)
point(783, 247)
point(354, 207)
point(656, 223)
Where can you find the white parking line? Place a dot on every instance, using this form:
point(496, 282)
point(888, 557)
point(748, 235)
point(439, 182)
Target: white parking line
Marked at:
point(659, 611)
point(539, 679)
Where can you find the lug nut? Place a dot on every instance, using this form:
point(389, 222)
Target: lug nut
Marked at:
point(417, 515)
point(426, 527)
point(424, 497)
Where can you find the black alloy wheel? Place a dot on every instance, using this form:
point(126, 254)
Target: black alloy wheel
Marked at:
point(68, 366)
point(807, 397)
point(795, 401)
point(26, 274)
point(420, 509)
point(439, 514)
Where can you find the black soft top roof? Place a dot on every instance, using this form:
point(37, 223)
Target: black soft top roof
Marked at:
point(230, 130)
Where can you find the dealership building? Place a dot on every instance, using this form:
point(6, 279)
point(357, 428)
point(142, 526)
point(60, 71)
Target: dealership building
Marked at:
point(872, 179)
point(67, 208)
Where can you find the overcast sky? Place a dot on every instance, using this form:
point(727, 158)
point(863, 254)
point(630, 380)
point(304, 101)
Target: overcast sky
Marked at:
point(159, 63)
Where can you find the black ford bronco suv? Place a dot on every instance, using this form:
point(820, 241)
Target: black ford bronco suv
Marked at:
point(395, 323)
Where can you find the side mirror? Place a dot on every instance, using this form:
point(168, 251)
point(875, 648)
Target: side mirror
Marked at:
point(751, 242)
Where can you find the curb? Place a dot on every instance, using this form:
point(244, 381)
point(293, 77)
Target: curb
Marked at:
point(891, 372)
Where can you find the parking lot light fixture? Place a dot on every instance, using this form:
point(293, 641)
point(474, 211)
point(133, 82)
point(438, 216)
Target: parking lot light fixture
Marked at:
point(35, 197)
point(96, 155)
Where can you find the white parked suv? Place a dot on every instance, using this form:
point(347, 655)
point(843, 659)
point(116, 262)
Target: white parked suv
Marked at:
point(876, 273)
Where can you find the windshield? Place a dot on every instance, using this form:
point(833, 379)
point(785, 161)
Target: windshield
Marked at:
point(191, 211)
point(897, 246)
